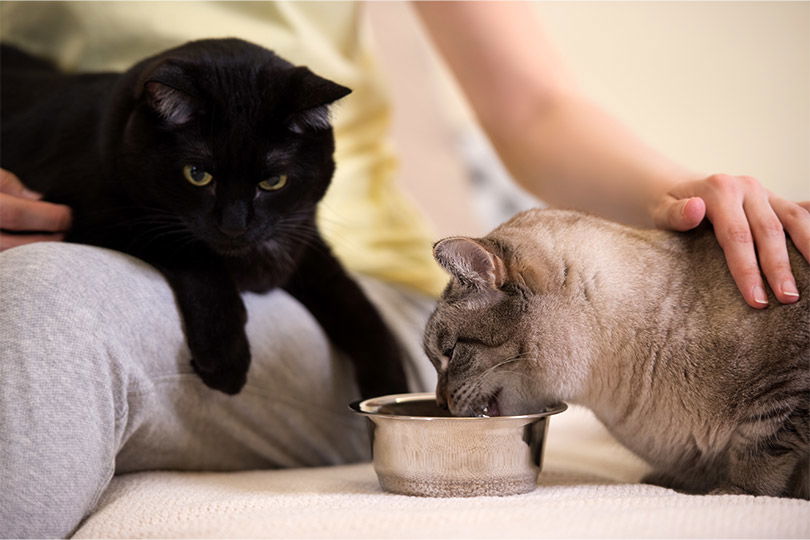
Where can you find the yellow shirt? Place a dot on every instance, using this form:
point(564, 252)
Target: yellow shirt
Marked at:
point(372, 227)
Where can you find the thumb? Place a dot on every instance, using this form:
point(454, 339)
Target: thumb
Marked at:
point(680, 214)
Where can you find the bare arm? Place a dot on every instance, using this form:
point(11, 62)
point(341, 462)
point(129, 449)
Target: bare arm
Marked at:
point(571, 153)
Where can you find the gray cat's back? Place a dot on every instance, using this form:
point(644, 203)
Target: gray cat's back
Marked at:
point(721, 390)
point(763, 381)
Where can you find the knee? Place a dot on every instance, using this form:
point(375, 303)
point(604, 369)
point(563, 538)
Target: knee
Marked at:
point(38, 293)
point(57, 300)
point(50, 283)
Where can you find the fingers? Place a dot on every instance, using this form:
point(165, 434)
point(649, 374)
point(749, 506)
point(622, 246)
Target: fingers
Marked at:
point(771, 246)
point(747, 225)
point(8, 241)
point(796, 219)
point(18, 214)
point(723, 197)
point(11, 185)
point(735, 237)
point(21, 210)
point(750, 225)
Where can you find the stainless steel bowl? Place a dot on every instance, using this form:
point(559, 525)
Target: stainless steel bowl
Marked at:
point(419, 449)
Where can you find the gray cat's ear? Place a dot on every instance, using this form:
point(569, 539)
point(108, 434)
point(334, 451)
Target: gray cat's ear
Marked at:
point(172, 105)
point(470, 262)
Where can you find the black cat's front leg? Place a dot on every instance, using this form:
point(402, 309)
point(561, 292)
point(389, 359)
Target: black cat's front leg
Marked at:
point(350, 320)
point(214, 317)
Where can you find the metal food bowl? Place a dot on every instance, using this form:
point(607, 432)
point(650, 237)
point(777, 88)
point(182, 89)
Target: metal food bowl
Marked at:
point(419, 449)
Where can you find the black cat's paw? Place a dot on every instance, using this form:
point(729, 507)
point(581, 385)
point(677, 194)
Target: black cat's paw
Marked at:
point(383, 374)
point(383, 386)
point(227, 380)
point(226, 369)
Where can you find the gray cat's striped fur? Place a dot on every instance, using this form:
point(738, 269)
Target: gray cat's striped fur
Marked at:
point(648, 330)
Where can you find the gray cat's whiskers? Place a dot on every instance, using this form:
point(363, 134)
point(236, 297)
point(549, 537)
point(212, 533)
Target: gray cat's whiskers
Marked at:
point(473, 386)
point(509, 360)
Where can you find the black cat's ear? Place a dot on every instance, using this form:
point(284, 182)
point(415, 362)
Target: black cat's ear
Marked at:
point(165, 89)
point(470, 262)
point(313, 95)
point(173, 106)
point(313, 90)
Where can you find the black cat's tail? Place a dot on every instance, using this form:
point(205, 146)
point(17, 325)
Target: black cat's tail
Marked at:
point(14, 58)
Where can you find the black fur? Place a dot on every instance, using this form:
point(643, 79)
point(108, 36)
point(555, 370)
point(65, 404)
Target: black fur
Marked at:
point(113, 147)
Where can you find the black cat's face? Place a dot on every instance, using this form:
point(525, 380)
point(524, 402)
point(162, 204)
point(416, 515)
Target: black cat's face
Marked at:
point(232, 142)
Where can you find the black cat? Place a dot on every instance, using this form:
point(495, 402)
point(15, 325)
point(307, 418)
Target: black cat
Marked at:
point(206, 161)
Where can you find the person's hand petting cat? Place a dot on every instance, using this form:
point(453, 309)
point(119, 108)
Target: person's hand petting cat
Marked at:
point(572, 154)
point(21, 211)
point(744, 215)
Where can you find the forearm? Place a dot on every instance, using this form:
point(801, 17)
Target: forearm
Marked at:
point(556, 143)
point(573, 154)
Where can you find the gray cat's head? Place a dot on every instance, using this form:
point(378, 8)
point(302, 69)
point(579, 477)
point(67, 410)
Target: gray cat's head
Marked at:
point(505, 330)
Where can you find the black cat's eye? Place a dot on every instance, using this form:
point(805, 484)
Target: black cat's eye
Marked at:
point(196, 176)
point(274, 183)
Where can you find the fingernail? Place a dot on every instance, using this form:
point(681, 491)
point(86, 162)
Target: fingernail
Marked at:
point(789, 288)
point(28, 194)
point(759, 295)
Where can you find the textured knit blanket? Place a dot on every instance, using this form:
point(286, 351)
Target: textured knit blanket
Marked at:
point(588, 488)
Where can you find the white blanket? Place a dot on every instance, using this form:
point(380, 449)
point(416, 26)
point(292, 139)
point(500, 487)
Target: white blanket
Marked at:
point(588, 488)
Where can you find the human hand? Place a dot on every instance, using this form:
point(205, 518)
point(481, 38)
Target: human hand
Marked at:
point(748, 220)
point(21, 211)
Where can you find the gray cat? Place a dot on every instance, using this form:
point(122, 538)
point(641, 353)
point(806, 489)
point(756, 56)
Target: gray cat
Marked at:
point(647, 329)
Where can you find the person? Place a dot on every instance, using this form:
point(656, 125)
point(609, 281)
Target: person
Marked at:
point(94, 377)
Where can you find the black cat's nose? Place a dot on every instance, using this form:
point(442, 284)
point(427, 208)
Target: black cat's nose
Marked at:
point(232, 231)
point(234, 218)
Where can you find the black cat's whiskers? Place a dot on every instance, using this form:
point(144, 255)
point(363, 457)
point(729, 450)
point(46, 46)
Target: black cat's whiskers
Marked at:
point(170, 234)
point(152, 228)
point(298, 227)
point(341, 228)
point(143, 211)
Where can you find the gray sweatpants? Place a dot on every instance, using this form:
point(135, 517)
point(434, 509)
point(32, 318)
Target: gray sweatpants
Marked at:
point(95, 380)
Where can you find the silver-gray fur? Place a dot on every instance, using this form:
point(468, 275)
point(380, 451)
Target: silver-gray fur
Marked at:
point(647, 329)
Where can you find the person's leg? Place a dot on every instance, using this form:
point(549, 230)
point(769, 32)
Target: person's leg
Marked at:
point(94, 379)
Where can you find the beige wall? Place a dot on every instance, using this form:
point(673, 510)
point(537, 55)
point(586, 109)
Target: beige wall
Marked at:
point(721, 87)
